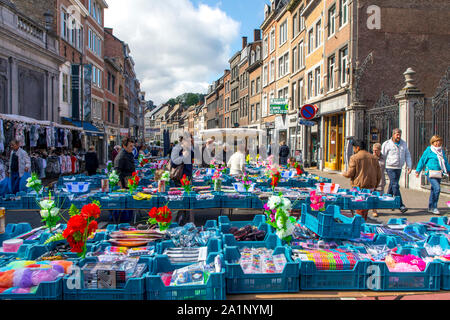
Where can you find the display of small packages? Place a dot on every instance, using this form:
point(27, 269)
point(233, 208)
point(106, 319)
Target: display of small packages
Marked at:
point(112, 272)
point(189, 236)
point(191, 275)
point(261, 261)
point(186, 254)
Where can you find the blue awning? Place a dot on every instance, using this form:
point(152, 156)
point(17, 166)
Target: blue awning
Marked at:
point(88, 127)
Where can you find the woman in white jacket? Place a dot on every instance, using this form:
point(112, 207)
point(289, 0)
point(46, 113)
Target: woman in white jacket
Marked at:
point(237, 161)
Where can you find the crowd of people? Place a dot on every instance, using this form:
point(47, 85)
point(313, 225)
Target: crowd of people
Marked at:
point(367, 171)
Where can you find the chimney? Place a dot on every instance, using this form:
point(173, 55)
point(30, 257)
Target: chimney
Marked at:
point(257, 35)
point(244, 42)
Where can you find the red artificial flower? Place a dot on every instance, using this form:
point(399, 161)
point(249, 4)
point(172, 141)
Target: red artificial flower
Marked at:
point(137, 179)
point(93, 226)
point(91, 211)
point(153, 213)
point(76, 223)
point(134, 174)
point(146, 160)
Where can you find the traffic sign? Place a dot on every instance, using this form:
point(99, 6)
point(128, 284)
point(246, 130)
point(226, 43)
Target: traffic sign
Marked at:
point(308, 111)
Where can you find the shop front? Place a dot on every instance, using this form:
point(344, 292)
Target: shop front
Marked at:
point(334, 142)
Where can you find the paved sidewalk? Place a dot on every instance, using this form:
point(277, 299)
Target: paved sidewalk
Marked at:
point(416, 201)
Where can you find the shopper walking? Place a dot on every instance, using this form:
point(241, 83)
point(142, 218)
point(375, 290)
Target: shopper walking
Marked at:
point(396, 153)
point(363, 170)
point(91, 161)
point(283, 153)
point(19, 163)
point(435, 164)
point(115, 152)
point(236, 163)
point(381, 161)
point(181, 164)
point(124, 162)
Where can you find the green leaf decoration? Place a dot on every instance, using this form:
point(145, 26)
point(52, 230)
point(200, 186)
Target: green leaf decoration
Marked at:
point(56, 237)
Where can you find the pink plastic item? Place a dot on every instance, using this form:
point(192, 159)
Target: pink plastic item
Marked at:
point(12, 245)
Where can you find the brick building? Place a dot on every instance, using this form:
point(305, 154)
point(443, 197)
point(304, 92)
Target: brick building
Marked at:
point(255, 81)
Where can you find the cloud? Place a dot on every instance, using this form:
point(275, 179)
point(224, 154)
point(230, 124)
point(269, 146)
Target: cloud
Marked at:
point(177, 47)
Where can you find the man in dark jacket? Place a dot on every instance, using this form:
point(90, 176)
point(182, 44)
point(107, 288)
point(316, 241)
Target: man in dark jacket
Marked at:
point(124, 162)
point(284, 153)
point(91, 161)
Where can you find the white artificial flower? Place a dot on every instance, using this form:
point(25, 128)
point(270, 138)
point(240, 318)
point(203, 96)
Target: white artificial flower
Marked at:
point(47, 204)
point(54, 212)
point(273, 202)
point(44, 213)
point(280, 224)
point(287, 205)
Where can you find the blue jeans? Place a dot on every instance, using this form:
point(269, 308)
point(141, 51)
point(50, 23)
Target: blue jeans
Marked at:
point(15, 182)
point(394, 187)
point(435, 191)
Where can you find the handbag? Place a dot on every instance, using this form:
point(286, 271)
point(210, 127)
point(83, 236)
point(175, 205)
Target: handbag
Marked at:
point(436, 174)
point(176, 172)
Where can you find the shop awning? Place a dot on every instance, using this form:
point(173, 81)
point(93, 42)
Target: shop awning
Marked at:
point(88, 127)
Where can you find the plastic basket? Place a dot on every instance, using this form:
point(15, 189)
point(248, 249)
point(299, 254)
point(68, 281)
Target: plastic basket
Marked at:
point(324, 225)
point(108, 202)
point(12, 202)
point(51, 290)
point(237, 203)
point(313, 279)
point(379, 203)
point(214, 245)
point(237, 282)
point(134, 288)
point(225, 223)
point(213, 289)
point(367, 203)
point(381, 279)
point(216, 202)
point(131, 203)
point(184, 203)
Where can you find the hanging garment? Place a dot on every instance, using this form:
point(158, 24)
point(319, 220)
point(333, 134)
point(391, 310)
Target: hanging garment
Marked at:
point(9, 132)
point(20, 133)
point(69, 139)
point(2, 137)
point(49, 137)
point(66, 141)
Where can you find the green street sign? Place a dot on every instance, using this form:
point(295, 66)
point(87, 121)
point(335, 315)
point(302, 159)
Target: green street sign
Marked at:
point(279, 106)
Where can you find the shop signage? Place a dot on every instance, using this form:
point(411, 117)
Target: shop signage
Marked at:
point(279, 106)
point(306, 122)
point(124, 132)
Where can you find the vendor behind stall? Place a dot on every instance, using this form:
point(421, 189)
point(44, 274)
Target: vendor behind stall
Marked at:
point(19, 164)
point(124, 162)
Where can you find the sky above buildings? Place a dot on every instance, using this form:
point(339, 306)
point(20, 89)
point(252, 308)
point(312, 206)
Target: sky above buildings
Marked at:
point(182, 46)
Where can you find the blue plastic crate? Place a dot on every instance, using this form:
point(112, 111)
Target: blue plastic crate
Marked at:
point(313, 279)
point(108, 202)
point(438, 240)
point(214, 245)
point(445, 281)
point(367, 203)
point(230, 241)
point(324, 225)
point(213, 289)
point(237, 282)
point(134, 288)
point(225, 224)
point(398, 221)
point(184, 203)
point(385, 204)
point(381, 279)
point(237, 203)
point(391, 241)
point(216, 202)
point(442, 221)
point(131, 203)
point(51, 290)
point(13, 202)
